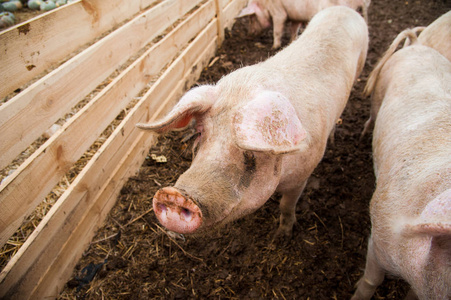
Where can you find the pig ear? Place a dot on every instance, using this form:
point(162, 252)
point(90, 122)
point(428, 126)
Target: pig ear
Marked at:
point(249, 10)
point(434, 220)
point(195, 102)
point(269, 123)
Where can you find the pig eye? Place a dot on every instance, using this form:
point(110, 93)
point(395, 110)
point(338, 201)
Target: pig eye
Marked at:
point(249, 162)
point(192, 137)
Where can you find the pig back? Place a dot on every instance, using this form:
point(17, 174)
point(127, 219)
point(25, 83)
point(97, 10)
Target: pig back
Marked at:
point(323, 64)
point(412, 135)
point(438, 35)
point(316, 72)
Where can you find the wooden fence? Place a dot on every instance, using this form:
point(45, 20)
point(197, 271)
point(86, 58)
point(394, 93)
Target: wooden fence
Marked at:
point(162, 47)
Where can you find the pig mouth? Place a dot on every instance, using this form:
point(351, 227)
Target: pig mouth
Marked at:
point(177, 212)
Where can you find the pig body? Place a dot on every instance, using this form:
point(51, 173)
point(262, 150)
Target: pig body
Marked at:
point(263, 128)
point(437, 36)
point(411, 206)
point(277, 12)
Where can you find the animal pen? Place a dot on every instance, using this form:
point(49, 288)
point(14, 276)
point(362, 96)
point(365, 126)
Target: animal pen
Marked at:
point(95, 68)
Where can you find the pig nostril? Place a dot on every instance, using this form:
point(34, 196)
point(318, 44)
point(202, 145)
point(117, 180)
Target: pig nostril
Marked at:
point(186, 213)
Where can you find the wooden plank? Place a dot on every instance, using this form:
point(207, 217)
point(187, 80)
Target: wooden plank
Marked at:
point(224, 3)
point(23, 190)
point(85, 204)
point(219, 16)
point(31, 47)
point(25, 117)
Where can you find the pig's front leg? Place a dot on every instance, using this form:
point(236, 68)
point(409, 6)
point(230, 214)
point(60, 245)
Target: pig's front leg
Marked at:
point(294, 30)
point(278, 23)
point(288, 212)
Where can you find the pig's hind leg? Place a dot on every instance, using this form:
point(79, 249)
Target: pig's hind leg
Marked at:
point(372, 278)
point(288, 212)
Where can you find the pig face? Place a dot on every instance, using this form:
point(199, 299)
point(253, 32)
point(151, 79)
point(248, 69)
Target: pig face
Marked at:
point(255, 28)
point(259, 17)
point(238, 163)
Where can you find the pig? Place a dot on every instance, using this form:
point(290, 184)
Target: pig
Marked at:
point(263, 128)
point(437, 35)
point(263, 12)
point(410, 209)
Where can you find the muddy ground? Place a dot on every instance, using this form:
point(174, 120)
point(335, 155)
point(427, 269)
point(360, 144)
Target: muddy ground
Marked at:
point(136, 259)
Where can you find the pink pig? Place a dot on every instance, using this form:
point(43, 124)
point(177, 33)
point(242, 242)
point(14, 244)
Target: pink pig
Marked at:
point(263, 128)
point(411, 206)
point(437, 35)
point(277, 12)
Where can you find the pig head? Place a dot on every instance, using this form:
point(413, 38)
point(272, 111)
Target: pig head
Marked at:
point(237, 166)
point(263, 128)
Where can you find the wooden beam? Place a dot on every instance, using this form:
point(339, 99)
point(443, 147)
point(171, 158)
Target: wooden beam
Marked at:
point(25, 117)
point(30, 48)
point(219, 16)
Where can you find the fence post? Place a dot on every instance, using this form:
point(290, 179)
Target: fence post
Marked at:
point(219, 17)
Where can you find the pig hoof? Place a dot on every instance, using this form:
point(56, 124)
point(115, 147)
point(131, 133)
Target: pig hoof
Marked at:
point(281, 237)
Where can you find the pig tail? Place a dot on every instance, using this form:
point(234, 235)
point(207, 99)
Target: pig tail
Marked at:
point(410, 37)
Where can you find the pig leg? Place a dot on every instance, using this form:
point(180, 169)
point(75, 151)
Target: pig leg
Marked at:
point(278, 24)
point(373, 277)
point(332, 136)
point(288, 212)
point(411, 295)
point(294, 30)
point(365, 11)
point(367, 127)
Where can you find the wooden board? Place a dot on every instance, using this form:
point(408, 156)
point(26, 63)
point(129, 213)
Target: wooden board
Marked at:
point(29, 48)
point(25, 117)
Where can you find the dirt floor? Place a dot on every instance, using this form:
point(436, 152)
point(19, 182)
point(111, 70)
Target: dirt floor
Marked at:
point(132, 257)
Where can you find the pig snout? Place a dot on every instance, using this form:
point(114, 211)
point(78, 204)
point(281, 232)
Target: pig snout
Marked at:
point(176, 212)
